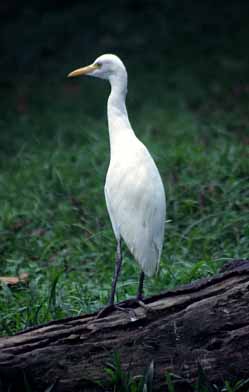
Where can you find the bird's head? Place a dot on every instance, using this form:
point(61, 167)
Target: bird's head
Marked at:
point(107, 66)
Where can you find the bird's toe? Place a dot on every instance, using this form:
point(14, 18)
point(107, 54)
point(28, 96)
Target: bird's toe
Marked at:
point(104, 312)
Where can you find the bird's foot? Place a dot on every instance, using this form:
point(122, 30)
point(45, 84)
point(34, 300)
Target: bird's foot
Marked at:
point(111, 308)
point(105, 311)
point(139, 301)
point(129, 305)
point(125, 306)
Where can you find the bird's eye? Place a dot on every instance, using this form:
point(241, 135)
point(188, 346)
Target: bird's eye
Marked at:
point(99, 65)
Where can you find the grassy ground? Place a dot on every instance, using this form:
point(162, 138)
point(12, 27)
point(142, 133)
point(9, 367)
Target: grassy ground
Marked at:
point(54, 147)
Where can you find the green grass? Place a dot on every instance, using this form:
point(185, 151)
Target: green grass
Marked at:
point(122, 381)
point(55, 151)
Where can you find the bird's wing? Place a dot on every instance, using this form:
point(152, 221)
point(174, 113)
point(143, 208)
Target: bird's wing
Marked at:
point(136, 204)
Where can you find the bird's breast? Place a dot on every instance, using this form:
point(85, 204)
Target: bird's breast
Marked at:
point(132, 173)
point(136, 204)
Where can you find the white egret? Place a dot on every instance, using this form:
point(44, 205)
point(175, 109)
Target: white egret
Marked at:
point(134, 190)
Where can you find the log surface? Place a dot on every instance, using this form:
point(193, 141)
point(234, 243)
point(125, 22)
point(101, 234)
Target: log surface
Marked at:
point(205, 322)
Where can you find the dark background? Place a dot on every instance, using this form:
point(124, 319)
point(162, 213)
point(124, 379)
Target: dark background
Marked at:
point(42, 39)
point(183, 48)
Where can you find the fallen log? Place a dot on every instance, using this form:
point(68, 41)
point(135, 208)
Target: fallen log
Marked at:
point(205, 323)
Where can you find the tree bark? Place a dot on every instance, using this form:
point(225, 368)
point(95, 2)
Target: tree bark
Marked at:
point(204, 323)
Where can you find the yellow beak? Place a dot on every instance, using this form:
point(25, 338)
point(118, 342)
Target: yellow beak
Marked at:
point(83, 71)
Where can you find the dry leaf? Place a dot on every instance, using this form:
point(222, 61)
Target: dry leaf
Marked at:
point(13, 280)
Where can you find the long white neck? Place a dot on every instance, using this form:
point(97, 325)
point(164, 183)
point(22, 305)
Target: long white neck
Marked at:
point(118, 121)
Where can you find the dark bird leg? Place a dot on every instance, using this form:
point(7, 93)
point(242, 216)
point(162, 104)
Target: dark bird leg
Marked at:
point(140, 287)
point(110, 307)
point(118, 265)
point(123, 306)
point(139, 297)
point(138, 300)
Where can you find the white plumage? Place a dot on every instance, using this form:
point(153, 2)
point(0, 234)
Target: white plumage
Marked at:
point(134, 191)
point(135, 201)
